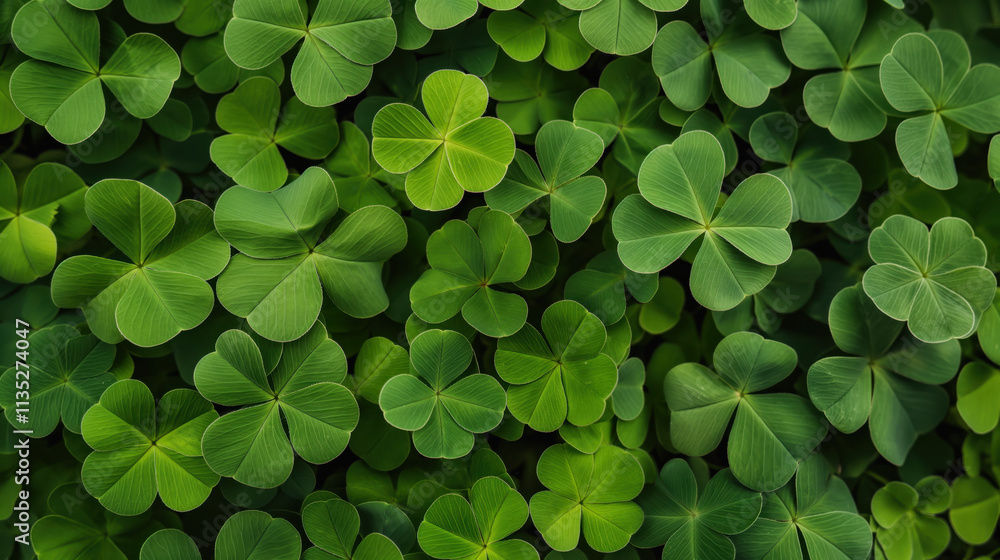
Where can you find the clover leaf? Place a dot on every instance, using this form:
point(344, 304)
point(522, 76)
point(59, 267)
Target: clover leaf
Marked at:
point(915, 78)
point(250, 534)
point(457, 150)
point(823, 188)
point(10, 118)
point(772, 432)
point(594, 489)
point(624, 111)
point(748, 63)
point(543, 28)
point(530, 94)
point(64, 45)
point(848, 101)
point(142, 449)
point(974, 509)
point(359, 179)
point(561, 376)
point(277, 281)
point(69, 378)
point(816, 510)
point(35, 219)
point(977, 403)
point(693, 522)
point(621, 27)
point(465, 264)
point(78, 527)
point(565, 152)
point(339, 44)
point(169, 543)
point(445, 15)
point(257, 126)
point(454, 528)
point(775, 14)
point(891, 381)
point(442, 410)
point(163, 290)
point(741, 244)
point(333, 526)
point(906, 524)
point(935, 281)
point(302, 386)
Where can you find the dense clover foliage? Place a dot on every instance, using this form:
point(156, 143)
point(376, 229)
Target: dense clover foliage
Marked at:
point(500, 279)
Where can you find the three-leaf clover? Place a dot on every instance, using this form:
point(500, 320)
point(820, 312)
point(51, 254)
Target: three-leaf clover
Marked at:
point(741, 244)
point(339, 43)
point(46, 211)
point(694, 522)
point(68, 373)
point(277, 281)
point(936, 281)
point(748, 63)
point(930, 73)
point(624, 111)
point(890, 381)
point(77, 526)
point(251, 533)
point(542, 27)
point(173, 250)
point(817, 510)
point(823, 188)
point(61, 87)
point(565, 152)
point(257, 125)
point(442, 408)
point(561, 376)
point(848, 101)
point(457, 150)
point(456, 529)
point(142, 449)
point(298, 381)
point(333, 527)
point(771, 433)
point(906, 525)
point(594, 489)
point(359, 179)
point(465, 265)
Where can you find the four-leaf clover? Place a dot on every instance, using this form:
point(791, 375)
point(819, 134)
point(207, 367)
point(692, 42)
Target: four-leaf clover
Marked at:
point(594, 489)
point(442, 408)
point(142, 449)
point(456, 529)
point(298, 381)
point(936, 281)
point(561, 376)
point(457, 150)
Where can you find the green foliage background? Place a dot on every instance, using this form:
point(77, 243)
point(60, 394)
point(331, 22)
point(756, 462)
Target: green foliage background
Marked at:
point(501, 279)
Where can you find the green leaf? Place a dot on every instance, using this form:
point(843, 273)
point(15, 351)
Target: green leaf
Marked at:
point(286, 262)
point(141, 450)
point(457, 150)
point(561, 376)
point(163, 291)
point(592, 489)
point(935, 281)
point(302, 387)
point(253, 535)
point(338, 47)
point(442, 410)
point(465, 263)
